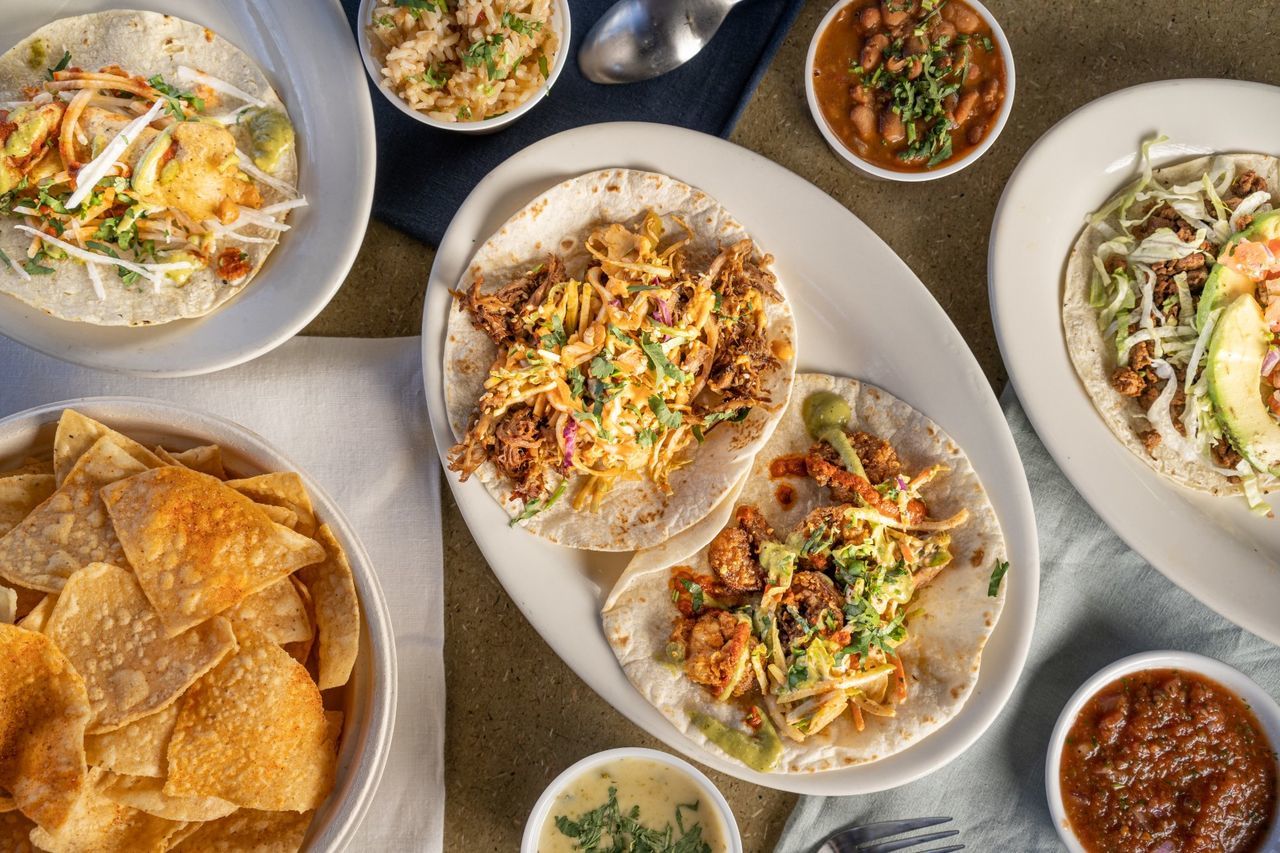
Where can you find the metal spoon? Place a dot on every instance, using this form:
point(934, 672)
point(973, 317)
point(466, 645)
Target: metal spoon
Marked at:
point(641, 39)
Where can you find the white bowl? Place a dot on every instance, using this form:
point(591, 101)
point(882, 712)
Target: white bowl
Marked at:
point(1263, 706)
point(369, 710)
point(560, 22)
point(929, 174)
point(542, 809)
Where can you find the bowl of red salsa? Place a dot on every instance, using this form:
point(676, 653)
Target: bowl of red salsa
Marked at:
point(1166, 752)
point(909, 90)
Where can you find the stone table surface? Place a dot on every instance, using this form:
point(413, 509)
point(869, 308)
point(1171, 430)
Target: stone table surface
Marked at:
point(511, 729)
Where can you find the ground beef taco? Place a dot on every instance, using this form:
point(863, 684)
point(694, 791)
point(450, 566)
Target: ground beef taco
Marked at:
point(1168, 310)
point(619, 351)
point(831, 612)
point(146, 172)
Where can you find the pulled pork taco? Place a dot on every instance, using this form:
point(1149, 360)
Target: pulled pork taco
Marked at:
point(1171, 306)
point(619, 352)
point(839, 612)
point(146, 170)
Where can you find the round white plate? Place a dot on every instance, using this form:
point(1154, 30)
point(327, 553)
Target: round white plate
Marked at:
point(859, 312)
point(312, 61)
point(370, 706)
point(1214, 548)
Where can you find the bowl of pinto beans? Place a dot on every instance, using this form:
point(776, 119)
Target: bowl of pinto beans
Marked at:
point(909, 90)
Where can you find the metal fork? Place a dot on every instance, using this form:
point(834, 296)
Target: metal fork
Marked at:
point(857, 839)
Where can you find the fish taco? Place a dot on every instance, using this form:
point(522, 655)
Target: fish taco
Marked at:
point(834, 611)
point(147, 169)
point(620, 350)
point(1171, 303)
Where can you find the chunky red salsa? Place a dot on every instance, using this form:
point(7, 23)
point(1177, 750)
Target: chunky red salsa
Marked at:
point(1164, 761)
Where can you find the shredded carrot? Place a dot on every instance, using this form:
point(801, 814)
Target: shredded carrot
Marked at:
point(900, 677)
point(858, 722)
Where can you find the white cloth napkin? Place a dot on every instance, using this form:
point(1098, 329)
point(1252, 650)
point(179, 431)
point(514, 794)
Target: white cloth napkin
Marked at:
point(352, 414)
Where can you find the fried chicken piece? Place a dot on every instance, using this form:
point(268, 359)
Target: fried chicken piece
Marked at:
point(717, 647)
point(813, 596)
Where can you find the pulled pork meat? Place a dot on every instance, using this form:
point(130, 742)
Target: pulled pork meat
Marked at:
point(520, 446)
point(742, 358)
point(500, 314)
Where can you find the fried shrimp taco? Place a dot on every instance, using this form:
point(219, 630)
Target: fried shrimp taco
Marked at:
point(619, 351)
point(834, 611)
point(146, 169)
point(1170, 309)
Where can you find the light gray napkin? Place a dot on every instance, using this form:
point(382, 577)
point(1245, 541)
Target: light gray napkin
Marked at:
point(352, 414)
point(1099, 601)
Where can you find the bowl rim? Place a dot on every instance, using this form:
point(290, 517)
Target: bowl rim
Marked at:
point(1263, 706)
point(371, 66)
point(836, 145)
point(542, 808)
point(349, 811)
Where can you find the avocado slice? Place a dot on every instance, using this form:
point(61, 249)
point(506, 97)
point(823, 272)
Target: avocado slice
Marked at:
point(1223, 284)
point(1233, 370)
point(148, 168)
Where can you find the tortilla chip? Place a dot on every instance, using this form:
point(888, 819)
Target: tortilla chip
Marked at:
point(207, 459)
point(333, 592)
point(137, 749)
point(70, 529)
point(77, 433)
point(38, 616)
point(249, 831)
point(100, 825)
point(280, 515)
point(197, 546)
point(30, 465)
point(277, 611)
point(8, 605)
point(146, 795)
point(301, 651)
point(283, 489)
point(43, 714)
point(6, 803)
point(253, 731)
point(107, 629)
point(20, 494)
point(15, 833)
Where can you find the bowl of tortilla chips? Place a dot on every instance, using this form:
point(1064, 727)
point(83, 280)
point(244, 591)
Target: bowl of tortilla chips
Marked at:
point(194, 650)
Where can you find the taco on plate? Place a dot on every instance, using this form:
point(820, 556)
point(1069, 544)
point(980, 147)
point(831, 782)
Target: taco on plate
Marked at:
point(834, 610)
point(619, 352)
point(1171, 306)
point(146, 169)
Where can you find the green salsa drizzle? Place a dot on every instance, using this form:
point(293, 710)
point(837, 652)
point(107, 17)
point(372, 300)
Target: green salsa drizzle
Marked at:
point(760, 751)
point(825, 416)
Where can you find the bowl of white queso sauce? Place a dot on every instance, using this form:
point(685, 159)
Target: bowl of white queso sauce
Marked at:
point(631, 791)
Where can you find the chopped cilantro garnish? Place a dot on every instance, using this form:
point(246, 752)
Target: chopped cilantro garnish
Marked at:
point(577, 382)
point(621, 335)
point(661, 365)
point(645, 438)
point(61, 66)
point(623, 831)
point(601, 367)
point(174, 98)
point(556, 338)
point(434, 77)
point(34, 266)
point(417, 7)
point(485, 52)
point(797, 673)
point(520, 25)
point(997, 575)
point(542, 66)
point(665, 416)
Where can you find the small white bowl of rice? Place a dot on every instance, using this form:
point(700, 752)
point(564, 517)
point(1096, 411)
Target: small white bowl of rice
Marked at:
point(470, 66)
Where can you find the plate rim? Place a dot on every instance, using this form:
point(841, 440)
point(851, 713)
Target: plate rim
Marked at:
point(1041, 420)
point(1022, 588)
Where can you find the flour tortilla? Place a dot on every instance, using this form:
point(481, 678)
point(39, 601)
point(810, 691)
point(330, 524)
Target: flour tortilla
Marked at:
point(1094, 356)
point(144, 44)
point(634, 514)
point(945, 641)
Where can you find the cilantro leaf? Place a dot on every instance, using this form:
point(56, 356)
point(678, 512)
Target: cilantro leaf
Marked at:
point(601, 367)
point(520, 25)
point(61, 66)
point(658, 358)
point(997, 575)
point(665, 416)
point(483, 53)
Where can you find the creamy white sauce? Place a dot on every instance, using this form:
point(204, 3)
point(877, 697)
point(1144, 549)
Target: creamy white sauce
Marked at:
point(656, 788)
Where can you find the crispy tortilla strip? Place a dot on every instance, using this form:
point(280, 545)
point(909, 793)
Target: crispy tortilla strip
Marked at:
point(137, 749)
point(77, 433)
point(8, 605)
point(100, 825)
point(207, 459)
point(282, 489)
point(333, 593)
point(277, 611)
point(249, 831)
point(70, 529)
point(146, 794)
point(15, 832)
point(115, 640)
point(197, 546)
point(20, 494)
point(38, 616)
point(43, 714)
point(253, 731)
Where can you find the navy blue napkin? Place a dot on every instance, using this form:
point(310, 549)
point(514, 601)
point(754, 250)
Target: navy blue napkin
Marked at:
point(424, 174)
